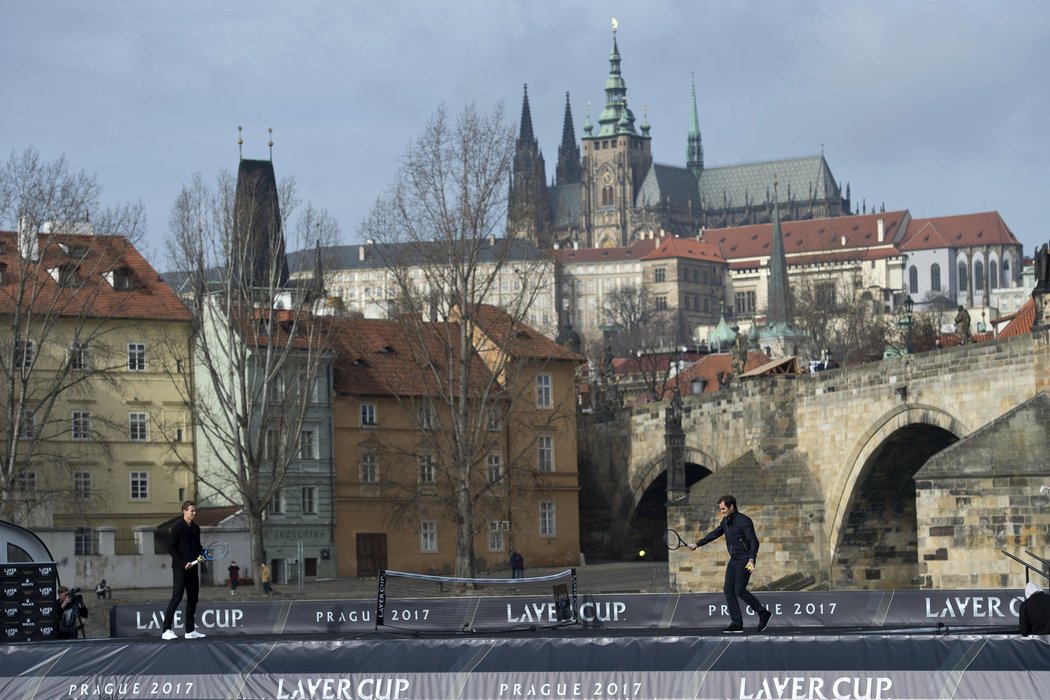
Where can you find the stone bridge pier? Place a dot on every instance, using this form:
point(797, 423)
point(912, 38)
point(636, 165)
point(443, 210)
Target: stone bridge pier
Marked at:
point(909, 472)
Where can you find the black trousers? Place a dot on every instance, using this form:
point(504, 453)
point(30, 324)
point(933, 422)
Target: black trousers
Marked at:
point(183, 582)
point(735, 587)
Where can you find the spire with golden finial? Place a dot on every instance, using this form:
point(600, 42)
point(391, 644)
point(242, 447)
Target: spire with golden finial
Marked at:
point(240, 144)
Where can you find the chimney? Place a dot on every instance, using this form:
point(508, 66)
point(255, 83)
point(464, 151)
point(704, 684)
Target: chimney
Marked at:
point(361, 253)
point(28, 245)
point(882, 230)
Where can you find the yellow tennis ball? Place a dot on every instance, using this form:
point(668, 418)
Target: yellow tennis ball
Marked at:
point(641, 552)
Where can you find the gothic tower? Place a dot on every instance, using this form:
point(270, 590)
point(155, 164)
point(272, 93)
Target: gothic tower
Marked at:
point(528, 207)
point(694, 156)
point(615, 161)
point(568, 171)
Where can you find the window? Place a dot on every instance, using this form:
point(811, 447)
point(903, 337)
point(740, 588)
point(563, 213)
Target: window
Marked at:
point(745, 303)
point(138, 427)
point(25, 482)
point(660, 274)
point(495, 536)
point(545, 453)
point(310, 500)
point(25, 350)
point(276, 504)
point(661, 303)
point(495, 467)
point(82, 485)
point(978, 276)
point(136, 357)
point(495, 421)
point(543, 391)
point(426, 469)
point(825, 295)
point(935, 277)
point(272, 445)
point(308, 444)
point(548, 523)
point(84, 542)
point(275, 390)
point(428, 531)
point(139, 486)
point(370, 468)
point(993, 276)
point(1006, 274)
point(607, 196)
point(913, 279)
point(963, 279)
point(368, 415)
point(81, 425)
point(80, 357)
point(426, 417)
point(27, 425)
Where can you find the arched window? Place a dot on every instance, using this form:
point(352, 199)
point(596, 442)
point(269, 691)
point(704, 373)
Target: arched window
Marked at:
point(978, 276)
point(607, 195)
point(913, 279)
point(963, 279)
point(1007, 280)
point(935, 277)
point(993, 275)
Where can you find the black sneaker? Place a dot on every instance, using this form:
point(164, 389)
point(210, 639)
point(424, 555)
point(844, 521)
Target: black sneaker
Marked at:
point(734, 629)
point(763, 619)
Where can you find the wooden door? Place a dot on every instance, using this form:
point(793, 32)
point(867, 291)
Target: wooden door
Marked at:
point(371, 553)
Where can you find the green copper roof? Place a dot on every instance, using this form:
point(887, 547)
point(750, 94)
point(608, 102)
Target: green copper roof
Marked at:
point(722, 337)
point(616, 118)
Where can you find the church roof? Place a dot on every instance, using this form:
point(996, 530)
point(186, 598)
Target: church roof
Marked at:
point(671, 184)
point(959, 231)
point(798, 178)
point(813, 240)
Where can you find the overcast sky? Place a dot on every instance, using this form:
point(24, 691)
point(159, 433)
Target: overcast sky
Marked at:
point(940, 107)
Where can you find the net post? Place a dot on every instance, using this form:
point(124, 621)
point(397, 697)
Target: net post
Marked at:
point(381, 598)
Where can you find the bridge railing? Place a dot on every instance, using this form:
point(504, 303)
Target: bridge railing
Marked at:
point(1028, 567)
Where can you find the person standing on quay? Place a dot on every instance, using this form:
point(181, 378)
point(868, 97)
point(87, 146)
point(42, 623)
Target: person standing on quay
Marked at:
point(235, 574)
point(184, 546)
point(742, 543)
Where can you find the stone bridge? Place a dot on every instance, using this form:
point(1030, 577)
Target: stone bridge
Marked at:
point(909, 472)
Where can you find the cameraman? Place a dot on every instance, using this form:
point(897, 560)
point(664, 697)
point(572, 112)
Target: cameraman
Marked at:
point(71, 613)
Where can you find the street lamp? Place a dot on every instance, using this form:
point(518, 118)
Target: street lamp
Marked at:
point(909, 305)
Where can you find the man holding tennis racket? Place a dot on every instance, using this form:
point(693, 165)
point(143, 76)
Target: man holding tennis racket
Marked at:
point(742, 543)
point(184, 546)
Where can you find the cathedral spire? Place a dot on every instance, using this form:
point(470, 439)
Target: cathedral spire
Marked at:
point(695, 150)
point(615, 118)
point(780, 311)
point(568, 170)
point(525, 135)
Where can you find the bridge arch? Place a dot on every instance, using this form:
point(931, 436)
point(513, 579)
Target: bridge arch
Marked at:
point(900, 422)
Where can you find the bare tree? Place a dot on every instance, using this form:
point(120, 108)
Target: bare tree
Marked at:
point(840, 316)
point(258, 347)
point(436, 228)
point(56, 345)
point(643, 334)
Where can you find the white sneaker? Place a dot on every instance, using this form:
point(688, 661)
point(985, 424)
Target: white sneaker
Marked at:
point(169, 635)
point(195, 635)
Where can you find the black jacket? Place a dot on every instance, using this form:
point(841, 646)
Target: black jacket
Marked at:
point(739, 531)
point(184, 543)
point(1034, 615)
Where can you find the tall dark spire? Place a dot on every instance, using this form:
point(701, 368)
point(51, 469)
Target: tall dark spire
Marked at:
point(525, 136)
point(527, 206)
point(569, 169)
point(694, 158)
point(780, 312)
point(258, 251)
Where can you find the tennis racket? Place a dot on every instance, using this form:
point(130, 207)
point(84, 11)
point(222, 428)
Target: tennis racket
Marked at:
point(213, 552)
point(673, 540)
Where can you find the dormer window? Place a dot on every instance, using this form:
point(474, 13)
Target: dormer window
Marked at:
point(121, 279)
point(66, 275)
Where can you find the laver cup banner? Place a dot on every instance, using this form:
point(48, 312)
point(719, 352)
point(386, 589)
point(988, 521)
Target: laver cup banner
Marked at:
point(600, 668)
point(798, 611)
point(28, 601)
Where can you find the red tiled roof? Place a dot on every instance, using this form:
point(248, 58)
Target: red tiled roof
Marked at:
point(635, 251)
point(376, 357)
point(91, 258)
point(519, 340)
point(690, 248)
point(833, 235)
point(1022, 322)
point(985, 228)
point(707, 369)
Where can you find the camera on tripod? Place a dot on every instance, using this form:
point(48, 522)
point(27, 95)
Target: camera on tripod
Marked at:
point(75, 595)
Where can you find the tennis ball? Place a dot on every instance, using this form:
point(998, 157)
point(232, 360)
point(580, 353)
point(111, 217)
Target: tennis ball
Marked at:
point(641, 552)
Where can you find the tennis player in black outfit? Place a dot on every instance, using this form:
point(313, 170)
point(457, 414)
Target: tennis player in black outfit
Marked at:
point(184, 546)
point(742, 544)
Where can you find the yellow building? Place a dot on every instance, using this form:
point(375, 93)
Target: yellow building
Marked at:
point(395, 452)
point(100, 386)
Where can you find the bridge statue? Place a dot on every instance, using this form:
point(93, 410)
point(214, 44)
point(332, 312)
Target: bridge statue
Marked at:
point(962, 325)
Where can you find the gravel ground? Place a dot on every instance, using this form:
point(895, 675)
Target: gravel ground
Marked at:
point(604, 577)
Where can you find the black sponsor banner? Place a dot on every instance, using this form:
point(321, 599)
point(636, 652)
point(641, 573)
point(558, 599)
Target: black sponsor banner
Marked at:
point(603, 668)
point(28, 607)
point(838, 609)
